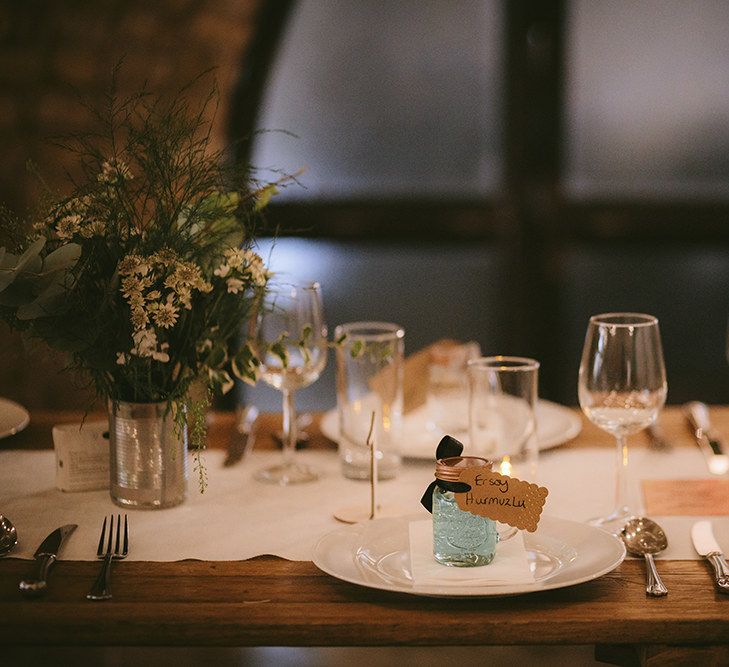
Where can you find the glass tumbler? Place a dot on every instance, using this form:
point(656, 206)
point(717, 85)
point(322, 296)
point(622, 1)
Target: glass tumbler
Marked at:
point(502, 422)
point(447, 398)
point(369, 380)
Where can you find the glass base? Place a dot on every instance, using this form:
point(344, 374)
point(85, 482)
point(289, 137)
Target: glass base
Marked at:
point(613, 522)
point(129, 501)
point(387, 468)
point(285, 474)
point(463, 560)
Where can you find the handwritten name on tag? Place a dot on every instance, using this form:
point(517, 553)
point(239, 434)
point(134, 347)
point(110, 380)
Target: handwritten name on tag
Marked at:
point(502, 498)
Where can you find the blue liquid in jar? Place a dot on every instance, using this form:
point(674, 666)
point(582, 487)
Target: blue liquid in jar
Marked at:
point(461, 539)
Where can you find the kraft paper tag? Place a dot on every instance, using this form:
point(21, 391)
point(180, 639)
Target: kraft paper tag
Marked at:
point(502, 498)
point(686, 497)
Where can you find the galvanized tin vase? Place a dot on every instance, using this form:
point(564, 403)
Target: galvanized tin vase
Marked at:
point(148, 451)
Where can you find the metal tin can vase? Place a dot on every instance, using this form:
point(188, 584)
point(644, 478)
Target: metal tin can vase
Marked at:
point(148, 455)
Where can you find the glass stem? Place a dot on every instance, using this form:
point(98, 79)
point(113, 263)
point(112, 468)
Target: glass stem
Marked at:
point(621, 479)
point(290, 435)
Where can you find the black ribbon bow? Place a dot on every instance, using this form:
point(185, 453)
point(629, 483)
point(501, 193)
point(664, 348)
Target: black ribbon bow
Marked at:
point(447, 447)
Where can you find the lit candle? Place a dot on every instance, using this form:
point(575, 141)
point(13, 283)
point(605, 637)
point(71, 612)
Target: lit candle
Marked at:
point(505, 466)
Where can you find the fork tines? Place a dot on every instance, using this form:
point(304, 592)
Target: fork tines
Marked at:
point(117, 552)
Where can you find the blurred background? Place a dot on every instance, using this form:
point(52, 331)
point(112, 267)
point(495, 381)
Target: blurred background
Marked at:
point(485, 170)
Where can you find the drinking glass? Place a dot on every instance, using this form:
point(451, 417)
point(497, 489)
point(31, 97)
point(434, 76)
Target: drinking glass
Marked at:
point(447, 398)
point(622, 388)
point(369, 380)
point(291, 341)
point(502, 397)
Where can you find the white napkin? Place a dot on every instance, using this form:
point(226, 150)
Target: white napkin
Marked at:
point(509, 566)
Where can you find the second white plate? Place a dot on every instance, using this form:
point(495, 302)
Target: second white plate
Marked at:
point(556, 425)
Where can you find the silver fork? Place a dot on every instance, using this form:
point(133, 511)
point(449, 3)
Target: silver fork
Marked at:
point(101, 589)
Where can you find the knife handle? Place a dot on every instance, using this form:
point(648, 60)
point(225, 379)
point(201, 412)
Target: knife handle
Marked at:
point(36, 582)
point(721, 571)
point(698, 416)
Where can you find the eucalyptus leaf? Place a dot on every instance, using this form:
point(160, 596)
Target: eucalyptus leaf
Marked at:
point(50, 302)
point(7, 259)
point(229, 229)
point(217, 357)
point(17, 294)
point(7, 275)
point(30, 260)
point(62, 258)
point(263, 196)
point(221, 380)
point(245, 365)
point(225, 202)
point(11, 267)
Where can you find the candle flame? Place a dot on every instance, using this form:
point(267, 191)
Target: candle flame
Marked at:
point(505, 466)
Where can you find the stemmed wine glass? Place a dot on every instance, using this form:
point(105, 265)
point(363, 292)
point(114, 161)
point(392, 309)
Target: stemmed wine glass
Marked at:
point(622, 388)
point(291, 341)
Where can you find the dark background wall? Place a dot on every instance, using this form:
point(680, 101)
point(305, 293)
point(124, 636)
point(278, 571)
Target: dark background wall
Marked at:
point(519, 269)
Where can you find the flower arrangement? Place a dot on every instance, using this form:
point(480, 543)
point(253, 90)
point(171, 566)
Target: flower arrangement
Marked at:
point(145, 273)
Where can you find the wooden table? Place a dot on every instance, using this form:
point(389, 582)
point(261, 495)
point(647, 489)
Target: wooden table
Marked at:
point(270, 601)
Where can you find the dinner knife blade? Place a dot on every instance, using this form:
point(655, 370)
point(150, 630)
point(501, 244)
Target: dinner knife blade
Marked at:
point(702, 535)
point(45, 555)
point(711, 446)
point(703, 538)
point(243, 436)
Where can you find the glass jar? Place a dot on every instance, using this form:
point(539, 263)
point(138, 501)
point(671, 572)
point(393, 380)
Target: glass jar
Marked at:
point(460, 539)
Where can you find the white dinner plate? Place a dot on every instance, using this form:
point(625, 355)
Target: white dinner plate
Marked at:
point(376, 554)
point(556, 425)
point(13, 417)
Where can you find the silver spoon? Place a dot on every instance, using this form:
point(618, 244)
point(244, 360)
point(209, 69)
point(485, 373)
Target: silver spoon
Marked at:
point(644, 537)
point(8, 536)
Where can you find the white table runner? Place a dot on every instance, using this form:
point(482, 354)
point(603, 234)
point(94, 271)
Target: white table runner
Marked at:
point(238, 518)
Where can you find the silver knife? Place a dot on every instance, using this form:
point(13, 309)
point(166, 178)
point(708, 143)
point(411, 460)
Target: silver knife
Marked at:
point(709, 443)
point(706, 546)
point(45, 556)
point(243, 437)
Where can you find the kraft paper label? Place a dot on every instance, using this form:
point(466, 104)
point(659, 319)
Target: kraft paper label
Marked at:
point(502, 498)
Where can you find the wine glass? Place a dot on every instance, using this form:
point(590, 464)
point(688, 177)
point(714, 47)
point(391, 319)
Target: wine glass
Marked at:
point(622, 388)
point(291, 341)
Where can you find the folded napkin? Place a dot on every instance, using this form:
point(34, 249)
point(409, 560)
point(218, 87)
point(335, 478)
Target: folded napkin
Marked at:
point(509, 566)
